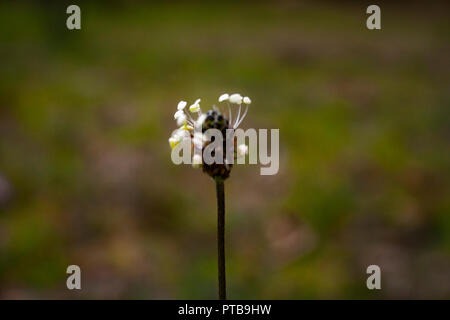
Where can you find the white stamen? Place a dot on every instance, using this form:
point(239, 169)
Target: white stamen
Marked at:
point(181, 119)
point(195, 107)
point(181, 105)
point(237, 118)
point(235, 98)
point(224, 97)
point(200, 120)
point(198, 140)
point(242, 118)
point(178, 114)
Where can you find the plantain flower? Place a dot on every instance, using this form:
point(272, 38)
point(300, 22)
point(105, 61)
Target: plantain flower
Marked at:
point(196, 131)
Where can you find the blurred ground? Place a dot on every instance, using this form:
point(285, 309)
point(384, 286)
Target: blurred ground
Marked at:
point(86, 176)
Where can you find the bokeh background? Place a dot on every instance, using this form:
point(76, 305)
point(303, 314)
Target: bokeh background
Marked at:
point(85, 170)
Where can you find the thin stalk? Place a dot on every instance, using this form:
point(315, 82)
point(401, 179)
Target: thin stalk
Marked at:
point(220, 191)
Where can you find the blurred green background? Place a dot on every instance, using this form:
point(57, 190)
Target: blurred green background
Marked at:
point(85, 170)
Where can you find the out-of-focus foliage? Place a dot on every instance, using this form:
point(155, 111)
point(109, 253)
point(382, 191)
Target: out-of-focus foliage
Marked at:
point(86, 176)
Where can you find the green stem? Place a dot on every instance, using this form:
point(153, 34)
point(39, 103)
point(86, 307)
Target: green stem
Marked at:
point(220, 191)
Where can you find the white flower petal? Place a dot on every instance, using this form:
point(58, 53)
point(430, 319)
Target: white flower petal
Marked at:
point(247, 100)
point(174, 140)
point(186, 127)
point(235, 98)
point(194, 108)
point(198, 140)
point(198, 135)
point(181, 119)
point(181, 105)
point(178, 114)
point(201, 118)
point(181, 133)
point(224, 97)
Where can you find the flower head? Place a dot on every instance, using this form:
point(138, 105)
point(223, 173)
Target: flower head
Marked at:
point(195, 130)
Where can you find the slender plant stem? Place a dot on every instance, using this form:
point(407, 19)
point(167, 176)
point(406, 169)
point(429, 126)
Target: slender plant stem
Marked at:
point(220, 191)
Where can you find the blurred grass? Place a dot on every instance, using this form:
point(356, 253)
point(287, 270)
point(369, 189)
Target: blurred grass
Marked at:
point(364, 129)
